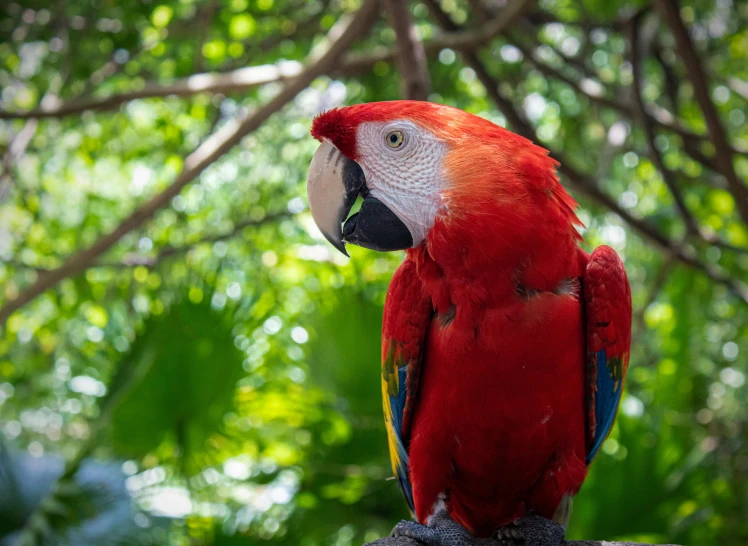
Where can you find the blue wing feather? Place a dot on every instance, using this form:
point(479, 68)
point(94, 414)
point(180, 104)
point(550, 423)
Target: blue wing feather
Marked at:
point(408, 311)
point(607, 396)
point(397, 405)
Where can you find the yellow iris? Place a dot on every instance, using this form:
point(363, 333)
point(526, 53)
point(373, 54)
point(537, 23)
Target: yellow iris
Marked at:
point(395, 139)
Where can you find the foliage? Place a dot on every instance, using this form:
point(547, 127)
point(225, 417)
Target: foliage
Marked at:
point(218, 365)
point(41, 506)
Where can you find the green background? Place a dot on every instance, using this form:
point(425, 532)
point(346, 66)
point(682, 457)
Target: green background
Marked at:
point(213, 378)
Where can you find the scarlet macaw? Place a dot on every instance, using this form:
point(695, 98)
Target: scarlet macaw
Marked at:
point(504, 344)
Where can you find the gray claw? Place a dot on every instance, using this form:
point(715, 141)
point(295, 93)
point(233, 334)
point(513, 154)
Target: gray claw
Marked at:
point(533, 530)
point(443, 531)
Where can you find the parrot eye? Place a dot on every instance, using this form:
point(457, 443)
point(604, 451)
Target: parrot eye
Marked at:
point(395, 139)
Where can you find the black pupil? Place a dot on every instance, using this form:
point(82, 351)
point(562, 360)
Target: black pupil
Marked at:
point(393, 138)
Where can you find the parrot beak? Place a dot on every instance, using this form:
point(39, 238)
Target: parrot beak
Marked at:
point(333, 185)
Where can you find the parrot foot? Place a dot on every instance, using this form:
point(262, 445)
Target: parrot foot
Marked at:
point(532, 530)
point(441, 531)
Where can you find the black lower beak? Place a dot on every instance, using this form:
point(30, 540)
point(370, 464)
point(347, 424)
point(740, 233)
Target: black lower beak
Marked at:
point(376, 227)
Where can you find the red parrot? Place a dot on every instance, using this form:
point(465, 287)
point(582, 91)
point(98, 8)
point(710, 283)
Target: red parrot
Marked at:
point(504, 344)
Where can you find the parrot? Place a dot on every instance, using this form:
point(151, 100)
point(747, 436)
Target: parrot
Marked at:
point(505, 345)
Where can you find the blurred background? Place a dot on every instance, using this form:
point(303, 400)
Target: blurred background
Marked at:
point(185, 361)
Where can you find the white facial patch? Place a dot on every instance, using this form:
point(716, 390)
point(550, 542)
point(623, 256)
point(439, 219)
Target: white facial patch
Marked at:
point(408, 179)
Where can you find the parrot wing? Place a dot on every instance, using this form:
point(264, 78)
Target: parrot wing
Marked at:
point(407, 314)
point(607, 301)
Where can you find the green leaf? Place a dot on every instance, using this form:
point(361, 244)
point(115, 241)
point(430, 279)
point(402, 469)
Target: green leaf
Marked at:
point(192, 367)
point(242, 26)
point(161, 16)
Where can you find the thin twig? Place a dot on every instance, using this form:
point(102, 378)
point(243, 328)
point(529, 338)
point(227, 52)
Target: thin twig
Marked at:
point(204, 19)
point(134, 260)
point(341, 37)
point(304, 29)
point(541, 17)
point(594, 94)
point(738, 86)
point(672, 82)
point(16, 149)
point(660, 279)
point(714, 240)
point(169, 251)
point(696, 74)
point(411, 58)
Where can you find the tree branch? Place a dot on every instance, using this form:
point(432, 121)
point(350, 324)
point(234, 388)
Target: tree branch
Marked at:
point(411, 58)
point(404, 541)
point(236, 80)
point(341, 37)
point(695, 72)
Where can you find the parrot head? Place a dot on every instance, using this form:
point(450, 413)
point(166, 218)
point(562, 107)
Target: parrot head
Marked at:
point(418, 164)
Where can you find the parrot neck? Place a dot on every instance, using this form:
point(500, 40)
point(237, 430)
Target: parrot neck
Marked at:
point(499, 255)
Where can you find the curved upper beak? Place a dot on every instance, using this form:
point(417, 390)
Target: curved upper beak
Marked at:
point(334, 183)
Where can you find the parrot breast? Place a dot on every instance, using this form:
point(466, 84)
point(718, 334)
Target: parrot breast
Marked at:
point(499, 429)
